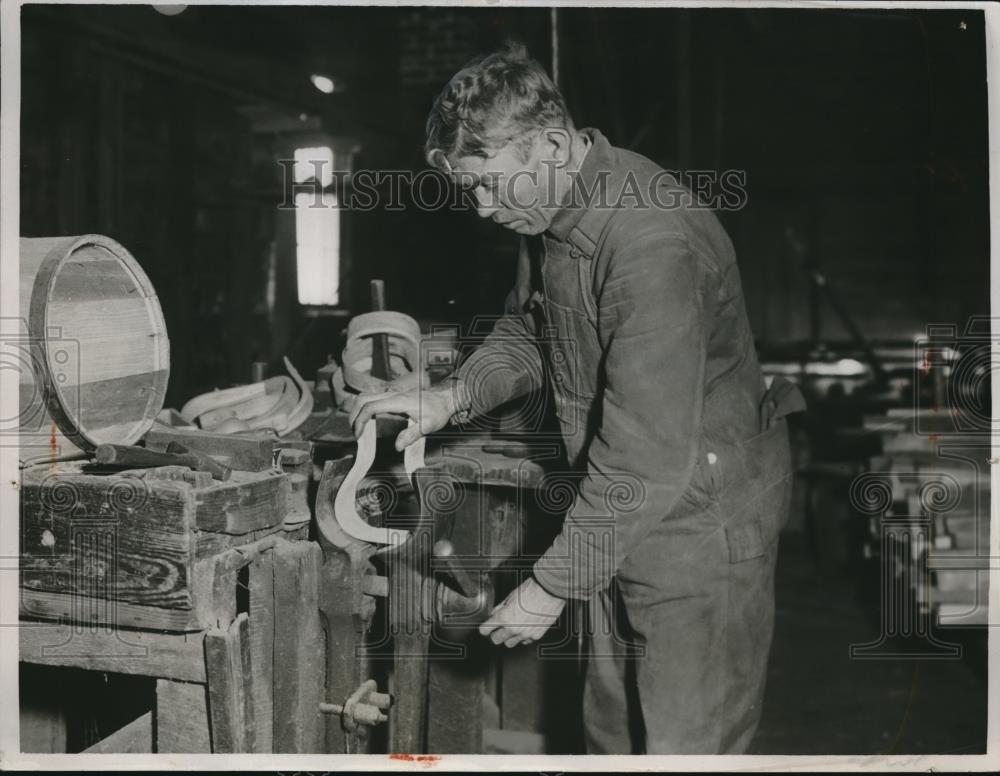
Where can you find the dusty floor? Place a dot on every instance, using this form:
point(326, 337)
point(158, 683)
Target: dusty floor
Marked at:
point(820, 701)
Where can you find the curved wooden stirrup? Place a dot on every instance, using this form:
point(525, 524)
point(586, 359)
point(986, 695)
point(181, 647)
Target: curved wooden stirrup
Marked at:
point(345, 504)
point(413, 456)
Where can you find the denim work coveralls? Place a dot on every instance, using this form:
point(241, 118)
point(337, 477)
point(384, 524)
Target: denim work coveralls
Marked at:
point(679, 449)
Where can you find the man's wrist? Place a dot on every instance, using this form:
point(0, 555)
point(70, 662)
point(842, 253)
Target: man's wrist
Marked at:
point(550, 589)
point(459, 406)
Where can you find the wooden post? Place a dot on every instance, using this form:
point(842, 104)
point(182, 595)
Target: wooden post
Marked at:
point(230, 687)
point(182, 718)
point(298, 649)
point(262, 647)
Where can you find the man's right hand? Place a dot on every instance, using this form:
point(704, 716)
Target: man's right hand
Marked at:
point(430, 408)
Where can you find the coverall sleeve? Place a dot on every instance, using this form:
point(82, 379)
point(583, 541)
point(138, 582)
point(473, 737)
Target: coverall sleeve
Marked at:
point(506, 365)
point(653, 332)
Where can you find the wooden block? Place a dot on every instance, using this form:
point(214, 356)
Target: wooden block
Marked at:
point(967, 580)
point(124, 549)
point(345, 628)
point(43, 726)
point(122, 539)
point(294, 461)
point(215, 592)
point(176, 656)
point(298, 649)
point(411, 647)
point(119, 559)
point(182, 718)
point(230, 687)
point(134, 738)
point(249, 453)
point(244, 503)
point(455, 690)
point(262, 647)
point(298, 500)
point(498, 741)
point(81, 609)
point(208, 543)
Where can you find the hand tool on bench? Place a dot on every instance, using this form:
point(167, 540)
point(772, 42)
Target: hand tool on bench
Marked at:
point(380, 342)
point(206, 463)
point(134, 457)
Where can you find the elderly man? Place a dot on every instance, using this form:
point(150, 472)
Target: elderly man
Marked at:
point(647, 349)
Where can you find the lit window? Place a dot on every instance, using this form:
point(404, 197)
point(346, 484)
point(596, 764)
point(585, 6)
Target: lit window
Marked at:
point(317, 230)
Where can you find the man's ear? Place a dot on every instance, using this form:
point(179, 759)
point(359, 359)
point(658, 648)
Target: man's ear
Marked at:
point(557, 142)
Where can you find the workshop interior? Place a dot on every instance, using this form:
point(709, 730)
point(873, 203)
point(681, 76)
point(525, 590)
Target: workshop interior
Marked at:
point(211, 561)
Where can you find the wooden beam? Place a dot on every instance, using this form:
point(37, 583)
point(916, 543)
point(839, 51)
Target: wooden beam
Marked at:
point(241, 507)
point(134, 738)
point(100, 613)
point(246, 453)
point(230, 687)
point(298, 649)
point(182, 718)
point(140, 653)
point(262, 647)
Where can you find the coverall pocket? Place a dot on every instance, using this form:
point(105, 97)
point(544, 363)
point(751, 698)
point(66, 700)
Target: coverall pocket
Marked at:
point(708, 478)
point(574, 352)
point(757, 509)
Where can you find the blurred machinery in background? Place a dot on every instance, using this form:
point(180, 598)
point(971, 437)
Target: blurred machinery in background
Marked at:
point(893, 468)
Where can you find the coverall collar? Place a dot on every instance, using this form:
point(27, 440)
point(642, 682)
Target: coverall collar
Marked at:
point(597, 158)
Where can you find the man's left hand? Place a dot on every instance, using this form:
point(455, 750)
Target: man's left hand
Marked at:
point(523, 616)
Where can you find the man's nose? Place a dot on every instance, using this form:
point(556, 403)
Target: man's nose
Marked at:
point(485, 204)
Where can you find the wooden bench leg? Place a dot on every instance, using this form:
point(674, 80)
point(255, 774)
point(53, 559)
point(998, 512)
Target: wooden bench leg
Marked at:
point(230, 687)
point(298, 650)
point(182, 717)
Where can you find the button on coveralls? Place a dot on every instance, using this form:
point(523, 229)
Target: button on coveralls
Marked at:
point(679, 454)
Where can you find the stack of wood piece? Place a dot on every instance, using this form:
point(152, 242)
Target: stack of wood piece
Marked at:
point(939, 478)
point(208, 586)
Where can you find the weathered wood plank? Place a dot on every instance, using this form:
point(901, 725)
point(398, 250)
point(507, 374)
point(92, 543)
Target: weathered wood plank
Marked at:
point(297, 500)
point(455, 690)
point(345, 634)
point(262, 647)
point(298, 649)
point(244, 503)
point(134, 738)
point(296, 461)
point(119, 538)
point(208, 543)
point(182, 718)
point(247, 453)
point(90, 610)
point(230, 687)
point(214, 593)
point(141, 653)
point(135, 502)
point(43, 726)
point(114, 559)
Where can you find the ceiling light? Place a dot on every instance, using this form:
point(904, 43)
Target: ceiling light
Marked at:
point(169, 10)
point(322, 83)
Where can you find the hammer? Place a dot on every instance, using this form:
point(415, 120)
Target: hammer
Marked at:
point(132, 456)
point(380, 342)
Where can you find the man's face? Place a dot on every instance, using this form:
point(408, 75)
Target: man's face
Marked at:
point(508, 189)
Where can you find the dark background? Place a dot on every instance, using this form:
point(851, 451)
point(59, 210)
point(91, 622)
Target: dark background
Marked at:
point(863, 135)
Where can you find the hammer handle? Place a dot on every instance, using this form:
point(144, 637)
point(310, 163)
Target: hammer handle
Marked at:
point(380, 342)
point(140, 457)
